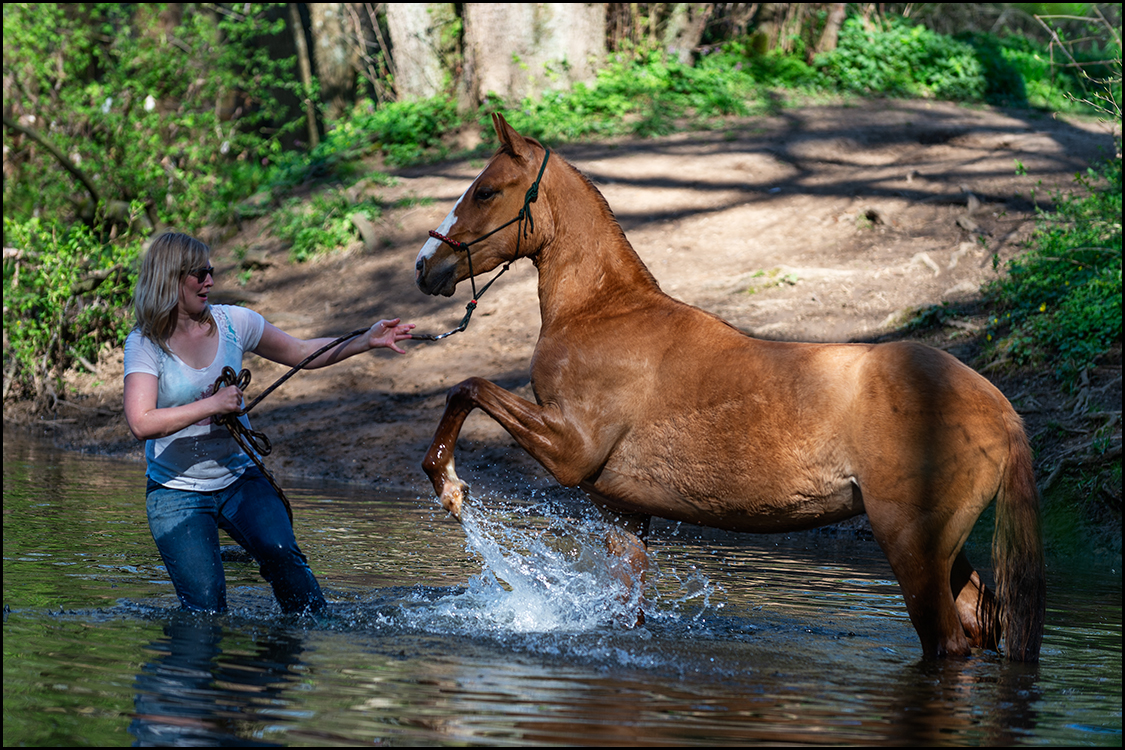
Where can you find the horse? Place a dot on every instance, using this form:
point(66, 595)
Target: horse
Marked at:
point(654, 407)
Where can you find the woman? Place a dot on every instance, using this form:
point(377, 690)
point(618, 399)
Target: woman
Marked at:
point(198, 479)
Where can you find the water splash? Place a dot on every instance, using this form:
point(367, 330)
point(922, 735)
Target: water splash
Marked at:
point(544, 571)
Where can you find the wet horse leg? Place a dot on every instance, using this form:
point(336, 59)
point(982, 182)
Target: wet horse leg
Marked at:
point(540, 431)
point(976, 605)
point(921, 559)
point(438, 461)
point(627, 541)
point(549, 440)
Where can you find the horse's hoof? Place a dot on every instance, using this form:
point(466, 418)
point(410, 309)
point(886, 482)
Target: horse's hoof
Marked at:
point(629, 621)
point(452, 496)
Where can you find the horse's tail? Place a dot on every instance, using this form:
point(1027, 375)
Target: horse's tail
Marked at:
point(1017, 551)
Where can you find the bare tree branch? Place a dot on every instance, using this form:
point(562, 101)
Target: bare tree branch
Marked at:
point(61, 157)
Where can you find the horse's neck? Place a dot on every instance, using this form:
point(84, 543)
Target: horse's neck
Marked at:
point(588, 264)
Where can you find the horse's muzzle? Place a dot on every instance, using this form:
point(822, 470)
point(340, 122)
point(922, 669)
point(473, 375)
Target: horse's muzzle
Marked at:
point(442, 280)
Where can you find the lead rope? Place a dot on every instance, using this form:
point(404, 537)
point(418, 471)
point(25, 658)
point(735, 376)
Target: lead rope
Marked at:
point(522, 230)
point(253, 442)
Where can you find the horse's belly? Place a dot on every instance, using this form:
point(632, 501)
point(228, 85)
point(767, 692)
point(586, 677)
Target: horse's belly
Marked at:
point(738, 506)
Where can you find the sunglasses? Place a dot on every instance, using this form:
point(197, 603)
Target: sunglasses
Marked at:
point(202, 273)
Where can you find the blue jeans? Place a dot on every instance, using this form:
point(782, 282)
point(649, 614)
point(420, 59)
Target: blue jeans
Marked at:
point(185, 526)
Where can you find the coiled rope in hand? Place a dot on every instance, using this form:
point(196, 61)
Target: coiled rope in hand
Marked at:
point(253, 442)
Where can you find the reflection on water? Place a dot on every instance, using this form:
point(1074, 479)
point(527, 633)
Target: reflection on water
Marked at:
point(194, 691)
point(505, 632)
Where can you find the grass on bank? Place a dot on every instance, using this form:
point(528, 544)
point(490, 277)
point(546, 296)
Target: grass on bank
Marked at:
point(1060, 302)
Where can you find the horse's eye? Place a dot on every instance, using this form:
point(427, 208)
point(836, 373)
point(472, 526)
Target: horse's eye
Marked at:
point(484, 193)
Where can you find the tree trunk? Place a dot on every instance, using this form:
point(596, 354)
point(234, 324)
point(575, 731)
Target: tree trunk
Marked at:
point(515, 50)
point(335, 62)
point(831, 33)
point(684, 29)
point(298, 30)
point(423, 47)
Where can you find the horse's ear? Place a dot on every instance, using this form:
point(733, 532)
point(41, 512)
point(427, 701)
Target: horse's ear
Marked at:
point(510, 140)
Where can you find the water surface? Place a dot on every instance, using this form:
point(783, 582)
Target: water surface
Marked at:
point(506, 631)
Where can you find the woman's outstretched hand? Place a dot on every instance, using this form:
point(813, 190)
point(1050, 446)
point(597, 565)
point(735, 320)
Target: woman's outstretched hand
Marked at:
point(387, 333)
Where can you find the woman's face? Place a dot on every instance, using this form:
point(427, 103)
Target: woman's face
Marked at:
point(194, 290)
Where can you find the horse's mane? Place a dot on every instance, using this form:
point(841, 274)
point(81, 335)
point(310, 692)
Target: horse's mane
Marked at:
point(588, 182)
point(604, 204)
point(600, 201)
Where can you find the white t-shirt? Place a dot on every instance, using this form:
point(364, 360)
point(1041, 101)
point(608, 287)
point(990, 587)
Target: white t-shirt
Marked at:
point(202, 457)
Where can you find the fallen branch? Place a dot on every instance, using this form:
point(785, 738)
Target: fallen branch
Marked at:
point(93, 409)
point(1073, 462)
point(83, 361)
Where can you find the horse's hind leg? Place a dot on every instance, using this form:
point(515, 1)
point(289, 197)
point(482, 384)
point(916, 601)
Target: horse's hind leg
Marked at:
point(923, 569)
point(976, 606)
point(627, 542)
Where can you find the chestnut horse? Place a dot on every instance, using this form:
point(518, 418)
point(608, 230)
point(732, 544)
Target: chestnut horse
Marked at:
point(655, 407)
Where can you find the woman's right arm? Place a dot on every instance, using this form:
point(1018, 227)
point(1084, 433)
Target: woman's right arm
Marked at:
point(147, 422)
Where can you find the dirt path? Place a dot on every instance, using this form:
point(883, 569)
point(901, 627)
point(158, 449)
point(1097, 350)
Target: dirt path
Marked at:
point(820, 223)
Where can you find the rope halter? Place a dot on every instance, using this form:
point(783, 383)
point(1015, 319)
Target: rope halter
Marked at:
point(525, 226)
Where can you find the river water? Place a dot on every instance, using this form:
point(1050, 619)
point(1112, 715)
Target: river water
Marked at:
point(508, 631)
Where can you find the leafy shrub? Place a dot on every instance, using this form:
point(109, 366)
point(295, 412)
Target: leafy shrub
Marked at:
point(902, 60)
point(640, 95)
point(773, 69)
point(406, 132)
point(66, 294)
point(321, 224)
point(170, 117)
point(1019, 72)
point(649, 94)
point(1063, 297)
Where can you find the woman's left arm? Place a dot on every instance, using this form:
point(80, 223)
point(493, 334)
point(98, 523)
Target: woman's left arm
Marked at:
point(279, 346)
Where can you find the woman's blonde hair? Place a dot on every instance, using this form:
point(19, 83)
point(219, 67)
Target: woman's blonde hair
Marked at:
point(170, 258)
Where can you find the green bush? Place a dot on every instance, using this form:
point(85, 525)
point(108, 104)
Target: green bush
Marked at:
point(322, 223)
point(901, 60)
point(406, 132)
point(173, 118)
point(773, 69)
point(1019, 72)
point(647, 94)
point(1063, 297)
point(644, 95)
point(66, 294)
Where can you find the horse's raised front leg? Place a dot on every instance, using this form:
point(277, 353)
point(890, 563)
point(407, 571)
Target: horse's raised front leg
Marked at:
point(539, 431)
point(438, 461)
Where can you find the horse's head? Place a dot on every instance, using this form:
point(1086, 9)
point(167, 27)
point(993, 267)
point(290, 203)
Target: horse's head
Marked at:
point(485, 220)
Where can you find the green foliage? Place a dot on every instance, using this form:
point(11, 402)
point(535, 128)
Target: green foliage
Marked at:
point(406, 132)
point(66, 294)
point(646, 93)
point(902, 60)
point(175, 109)
point(1019, 72)
point(642, 95)
point(403, 132)
point(773, 69)
point(1063, 297)
point(167, 116)
point(321, 224)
